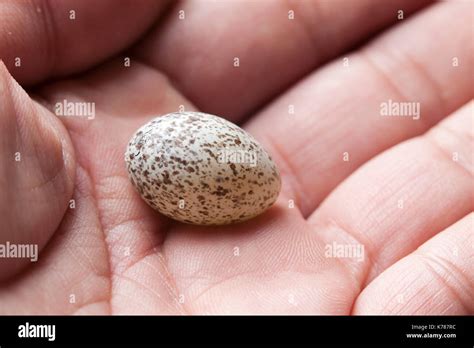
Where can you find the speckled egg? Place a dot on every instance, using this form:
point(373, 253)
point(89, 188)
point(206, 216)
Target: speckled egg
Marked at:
point(201, 169)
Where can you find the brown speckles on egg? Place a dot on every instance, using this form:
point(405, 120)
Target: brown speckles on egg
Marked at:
point(201, 169)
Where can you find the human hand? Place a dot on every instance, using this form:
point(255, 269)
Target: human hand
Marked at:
point(399, 187)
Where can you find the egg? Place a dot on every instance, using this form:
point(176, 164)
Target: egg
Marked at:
point(201, 169)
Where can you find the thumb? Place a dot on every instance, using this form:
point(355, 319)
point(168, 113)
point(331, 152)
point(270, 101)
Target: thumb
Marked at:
point(36, 175)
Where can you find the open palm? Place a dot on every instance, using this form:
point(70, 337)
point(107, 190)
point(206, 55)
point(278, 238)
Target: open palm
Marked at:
point(400, 187)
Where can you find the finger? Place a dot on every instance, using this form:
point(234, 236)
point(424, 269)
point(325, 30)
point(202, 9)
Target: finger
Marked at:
point(39, 40)
point(125, 98)
point(72, 276)
point(403, 197)
point(337, 123)
point(198, 51)
point(436, 279)
point(37, 176)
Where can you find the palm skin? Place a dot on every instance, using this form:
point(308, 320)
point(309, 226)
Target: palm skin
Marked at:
point(111, 253)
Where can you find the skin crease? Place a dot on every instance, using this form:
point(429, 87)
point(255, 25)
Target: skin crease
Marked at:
point(418, 259)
